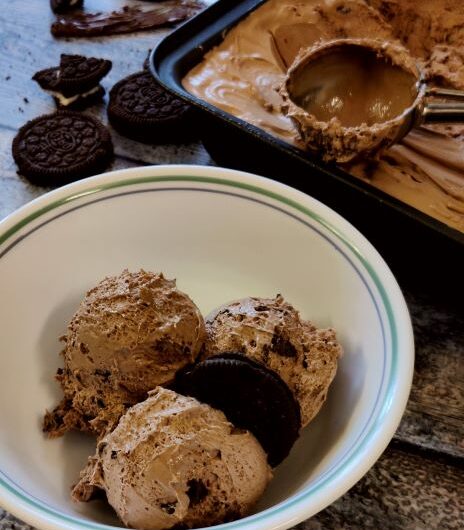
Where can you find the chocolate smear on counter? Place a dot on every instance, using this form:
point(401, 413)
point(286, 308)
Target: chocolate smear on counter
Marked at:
point(127, 20)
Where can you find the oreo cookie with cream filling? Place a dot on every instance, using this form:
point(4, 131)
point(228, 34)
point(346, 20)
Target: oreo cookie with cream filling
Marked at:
point(58, 148)
point(252, 397)
point(75, 83)
point(141, 109)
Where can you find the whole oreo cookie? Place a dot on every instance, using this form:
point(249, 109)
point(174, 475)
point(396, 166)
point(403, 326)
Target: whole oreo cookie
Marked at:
point(141, 109)
point(58, 148)
point(251, 396)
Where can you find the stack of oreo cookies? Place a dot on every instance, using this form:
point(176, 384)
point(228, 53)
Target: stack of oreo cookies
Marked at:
point(75, 83)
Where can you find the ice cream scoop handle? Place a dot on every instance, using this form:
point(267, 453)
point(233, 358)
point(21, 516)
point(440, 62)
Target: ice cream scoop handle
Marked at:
point(443, 113)
point(449, 93)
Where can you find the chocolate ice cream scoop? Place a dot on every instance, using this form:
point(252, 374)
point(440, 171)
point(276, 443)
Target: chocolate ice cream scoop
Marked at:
point(271, 332)
point(174, 461)
point(131, 333)
point(352, 97)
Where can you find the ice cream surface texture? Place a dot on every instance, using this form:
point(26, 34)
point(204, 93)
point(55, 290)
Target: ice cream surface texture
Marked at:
point(131, 333)
point(272, 332)
point(172, 460)
point(242, 76)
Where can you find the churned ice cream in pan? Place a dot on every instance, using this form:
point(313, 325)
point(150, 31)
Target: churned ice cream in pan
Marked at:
point(244, 73)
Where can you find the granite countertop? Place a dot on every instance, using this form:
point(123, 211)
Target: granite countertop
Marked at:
point(418, 483)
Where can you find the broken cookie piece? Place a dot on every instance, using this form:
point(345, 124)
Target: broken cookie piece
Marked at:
point(75, 83)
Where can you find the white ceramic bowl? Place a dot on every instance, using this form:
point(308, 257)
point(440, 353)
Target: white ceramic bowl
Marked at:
point(224, 235)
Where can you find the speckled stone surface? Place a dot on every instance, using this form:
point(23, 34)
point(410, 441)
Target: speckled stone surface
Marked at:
point(9, 522)
point(402, 491)
point(21, 99)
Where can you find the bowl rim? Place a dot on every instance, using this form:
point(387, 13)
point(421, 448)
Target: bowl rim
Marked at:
point(307, 502)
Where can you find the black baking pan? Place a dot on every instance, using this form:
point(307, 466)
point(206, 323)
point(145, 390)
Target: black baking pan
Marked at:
point(413, 243)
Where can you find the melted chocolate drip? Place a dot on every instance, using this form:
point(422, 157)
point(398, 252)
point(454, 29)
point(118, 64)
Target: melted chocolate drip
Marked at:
point(127, 20)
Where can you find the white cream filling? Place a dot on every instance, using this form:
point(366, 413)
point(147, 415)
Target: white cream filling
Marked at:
point(64, 101)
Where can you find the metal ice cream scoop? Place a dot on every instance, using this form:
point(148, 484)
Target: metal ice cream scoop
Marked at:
point(351, 97)
point(426, 111)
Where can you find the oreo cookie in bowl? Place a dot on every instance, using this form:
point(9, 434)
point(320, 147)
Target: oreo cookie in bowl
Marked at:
point(242, 370)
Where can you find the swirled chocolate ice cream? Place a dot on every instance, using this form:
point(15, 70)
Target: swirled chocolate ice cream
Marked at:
point(173, 461)
point(243, 74)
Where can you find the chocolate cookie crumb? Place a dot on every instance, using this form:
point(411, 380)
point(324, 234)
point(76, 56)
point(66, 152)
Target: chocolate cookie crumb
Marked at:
point(63, 6)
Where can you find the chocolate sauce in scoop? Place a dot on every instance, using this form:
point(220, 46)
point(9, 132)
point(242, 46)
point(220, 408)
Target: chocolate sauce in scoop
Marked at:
point(354, 85)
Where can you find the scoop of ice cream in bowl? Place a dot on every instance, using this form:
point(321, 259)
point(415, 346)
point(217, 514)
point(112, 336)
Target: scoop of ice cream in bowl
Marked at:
point(350, 98)
point(131, 333)
point(251, 392)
